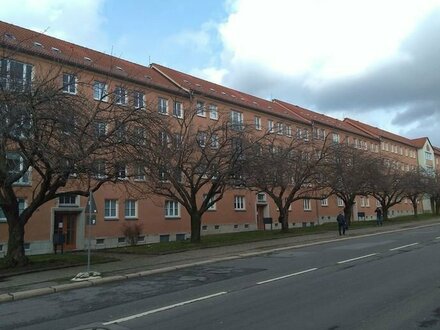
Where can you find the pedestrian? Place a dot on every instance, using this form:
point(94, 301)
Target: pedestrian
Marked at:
point(342, 224)
point(378, 216)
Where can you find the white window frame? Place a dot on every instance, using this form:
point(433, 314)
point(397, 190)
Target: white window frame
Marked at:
point(237, 119)
point(7, 78)
point(122, 173)
point(162, 105)
point(213, 111)
point(100, 128)
point(72, 200)
point(307, 204)
point(270, 125)
point(279, 128)
point(257, 121)
point(324, 201)
point(200, 108)
point(239, 203)
point(213, 207)
point(100, 91)
point(139, 173)
point(26, 178)
point(288, 130)
point(339, 202)
point(121, 95)
point(70, 83)
point(172, 208)
point(138, 100)
point(215, 141)
point(131, 205)
point(335, 138)
point(178, 109)
point(111, 208)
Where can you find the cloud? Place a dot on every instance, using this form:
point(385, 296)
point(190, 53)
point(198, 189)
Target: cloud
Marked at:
point(78, 21)
point(374, 61)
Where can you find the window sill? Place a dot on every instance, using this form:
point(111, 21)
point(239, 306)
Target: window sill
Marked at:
point(111, 219)
point(240, 210)
point(131, 218)
point(174, 217)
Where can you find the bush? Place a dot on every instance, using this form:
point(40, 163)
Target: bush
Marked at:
point(131, 232)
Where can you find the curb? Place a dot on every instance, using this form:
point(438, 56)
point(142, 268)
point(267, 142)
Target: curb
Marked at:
point(13, 296)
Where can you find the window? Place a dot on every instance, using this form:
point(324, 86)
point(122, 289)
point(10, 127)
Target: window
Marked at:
point(307, 205)
point(16, 166)
point(111, 208)
point(69, 83)
point(21, 206)
point(120, 95)
point(100, 129)
point(324, 201)
point(335, 137)
point(201, 139)
point(100, 91)
point(362, 201)
point(239, 203)
point(67, 200)
point(213, 207)
point(139, 100)
point(237, 120)
point(214, 141)
point(257, 121)
point(428, 155)
point(367, 201)
point(213, 111)
point(288, 130)
point(280, 128)
point(200, 108)
point(99, 169)
point(178, 109)
point(261, 198)
point(140, 136)
point(131, 208)
point(270, 125)
point(340, 202)
point(15, 75)
point(139, 173)
point(121, 171)
point(162, 106)
point(172, 209)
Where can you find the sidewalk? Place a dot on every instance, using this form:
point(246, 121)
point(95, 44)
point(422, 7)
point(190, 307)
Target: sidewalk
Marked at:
point(50, 281)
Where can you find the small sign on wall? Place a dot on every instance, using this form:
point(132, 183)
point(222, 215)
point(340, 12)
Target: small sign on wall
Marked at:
point(60, 225)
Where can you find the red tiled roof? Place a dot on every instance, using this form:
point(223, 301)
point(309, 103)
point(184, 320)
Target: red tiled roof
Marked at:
point(39, 44)
point(379, 132)
point(209, 89)
point(420, 142)
point(322, 119)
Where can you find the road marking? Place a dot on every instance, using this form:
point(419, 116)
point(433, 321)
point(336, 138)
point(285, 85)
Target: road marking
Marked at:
point(161, 309)
point(349, 260)
point(403, 246)
point(437, 237)
point(286, 276)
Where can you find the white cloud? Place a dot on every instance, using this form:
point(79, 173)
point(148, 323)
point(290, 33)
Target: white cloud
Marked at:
point(77, 21)
point(320, 39)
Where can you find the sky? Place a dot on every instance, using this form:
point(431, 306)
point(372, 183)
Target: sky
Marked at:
point(375, 61)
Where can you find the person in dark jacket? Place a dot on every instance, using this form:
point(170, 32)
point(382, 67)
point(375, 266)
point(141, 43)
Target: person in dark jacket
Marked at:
point(378, 216)
point(342, 224)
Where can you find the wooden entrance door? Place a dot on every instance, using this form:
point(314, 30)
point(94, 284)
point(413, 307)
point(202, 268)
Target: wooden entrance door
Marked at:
point(260, 217)
point(65, 224)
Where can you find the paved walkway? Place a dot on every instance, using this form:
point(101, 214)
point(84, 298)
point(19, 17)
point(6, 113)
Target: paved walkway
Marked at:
point(45, 282)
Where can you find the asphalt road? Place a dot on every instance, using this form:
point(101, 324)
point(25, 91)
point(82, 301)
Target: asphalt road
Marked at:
point(387, 281)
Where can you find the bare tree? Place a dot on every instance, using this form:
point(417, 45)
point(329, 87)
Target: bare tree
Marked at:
point(287, 169)
point(416, 185)
point(52, 143)
point(348, 173)
point(387, 183)
point(191, 162)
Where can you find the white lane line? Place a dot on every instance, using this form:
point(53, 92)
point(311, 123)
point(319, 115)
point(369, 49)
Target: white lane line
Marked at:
point(161, 309)
point(403, 246)
point(286, 276)
point(349, 260)
point(437, 237)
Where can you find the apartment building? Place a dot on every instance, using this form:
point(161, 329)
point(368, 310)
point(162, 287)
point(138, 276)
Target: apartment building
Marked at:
point(79, 70)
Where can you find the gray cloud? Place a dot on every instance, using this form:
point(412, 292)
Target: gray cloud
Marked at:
point(406, 87)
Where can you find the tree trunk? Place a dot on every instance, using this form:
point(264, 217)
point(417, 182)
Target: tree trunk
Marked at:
point(348, 210)
point(385, 213)
point(414, 204)
point(16, 255)
point(283, 218)
point(196, 222)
